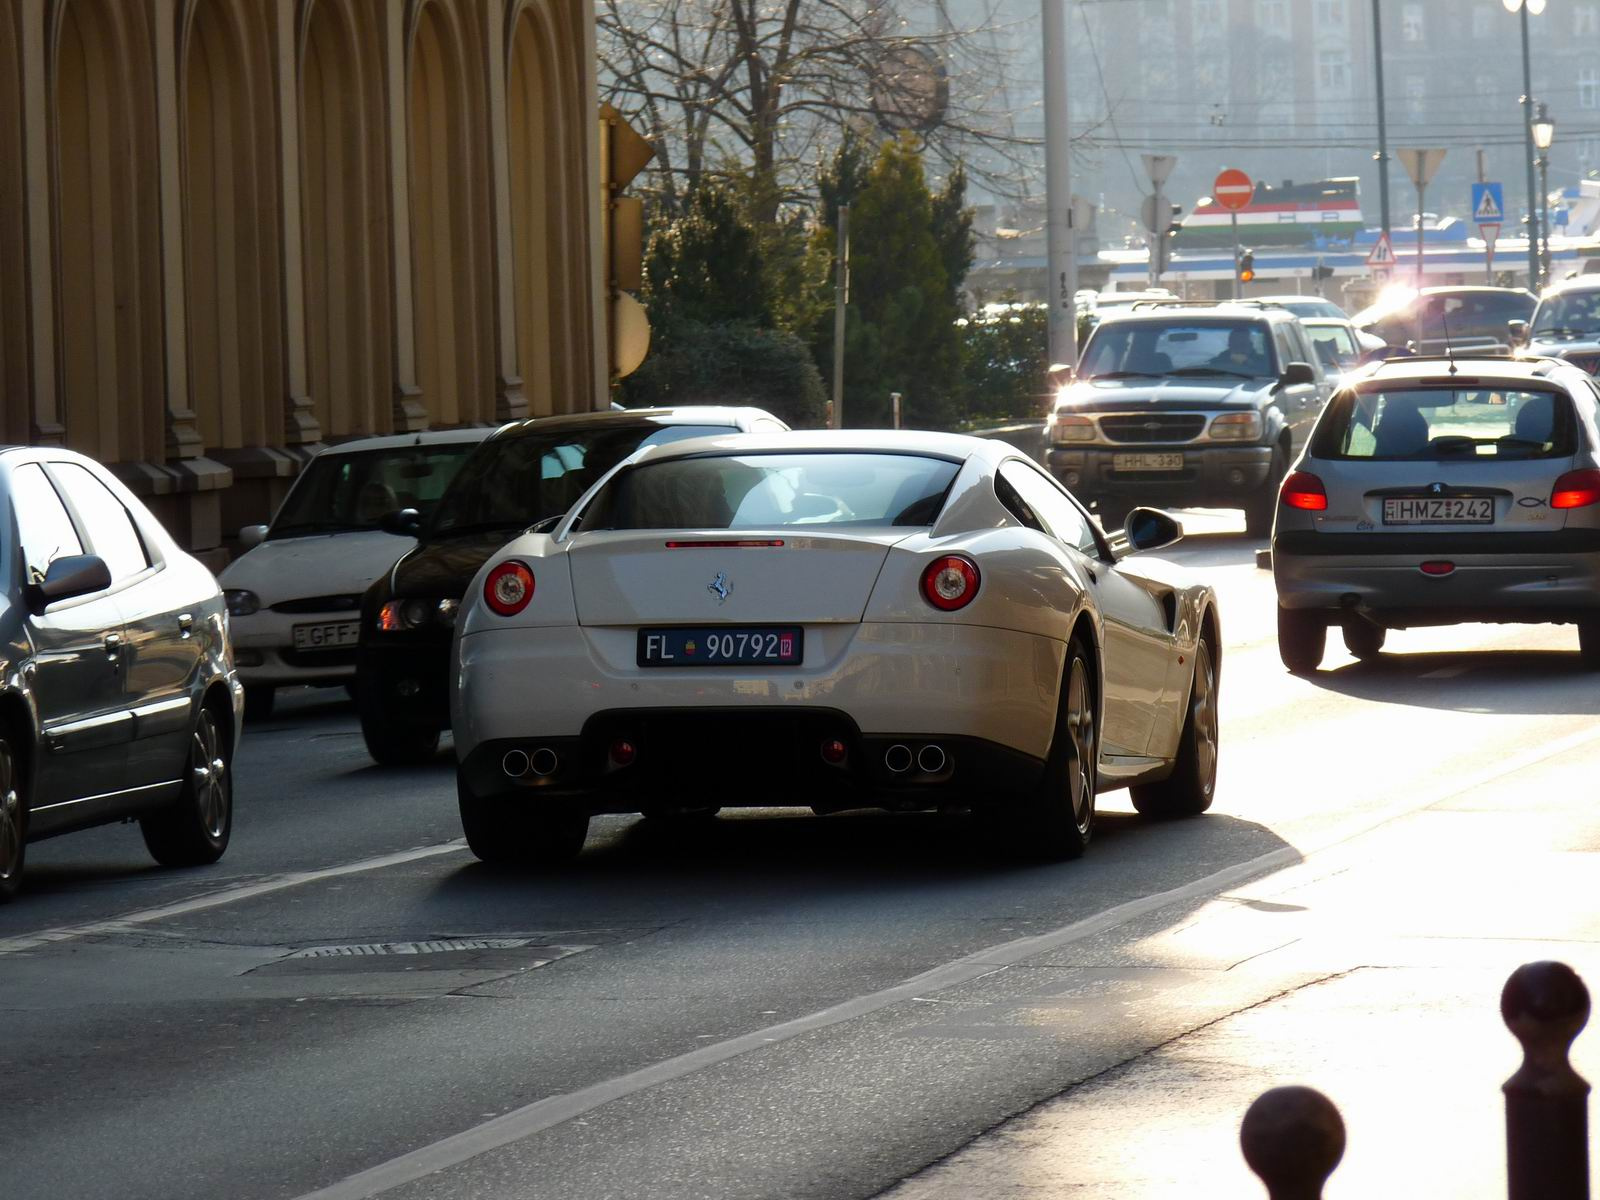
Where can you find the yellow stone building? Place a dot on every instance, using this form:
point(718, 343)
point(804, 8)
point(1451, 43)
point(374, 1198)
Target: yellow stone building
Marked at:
point(232, 230)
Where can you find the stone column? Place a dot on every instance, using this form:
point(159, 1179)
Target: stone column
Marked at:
point(299, 414)
point(409, 411)
point(48, 427)
point(510, 403)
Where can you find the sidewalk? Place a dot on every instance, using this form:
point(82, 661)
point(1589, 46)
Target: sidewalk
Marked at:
point(1392, 949)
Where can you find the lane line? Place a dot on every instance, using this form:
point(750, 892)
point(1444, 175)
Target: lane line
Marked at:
point(246, 891)
point(554, 1110)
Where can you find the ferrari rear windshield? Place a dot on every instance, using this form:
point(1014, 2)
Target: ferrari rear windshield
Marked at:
point(1445, 424)
point(769, 491)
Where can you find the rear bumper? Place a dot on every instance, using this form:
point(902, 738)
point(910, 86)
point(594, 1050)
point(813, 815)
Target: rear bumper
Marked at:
point(1210, 474)
point(1550, 578)
point(742, 758)
point(888, 678)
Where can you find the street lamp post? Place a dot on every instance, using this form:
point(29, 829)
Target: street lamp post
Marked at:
point(1522, 8)
point(1383, 131)
point(1544, 133)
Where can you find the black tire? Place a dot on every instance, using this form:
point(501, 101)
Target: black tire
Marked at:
point(1263, 506)
point(516, 833)
point(1364, 639)
point(1302, 640)
point(1055, 820)
point(391, 744)
point(1589, 643)
point(13, 820)
point(194, 832)
point(259, 700)
point(1188, 791)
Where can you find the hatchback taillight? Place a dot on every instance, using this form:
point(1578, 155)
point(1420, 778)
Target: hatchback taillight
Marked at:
point(1576, 489)
point(1304, 490)
point(509, 588)
point(950, 582)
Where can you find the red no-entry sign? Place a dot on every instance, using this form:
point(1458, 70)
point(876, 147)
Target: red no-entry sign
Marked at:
point(1233, 189)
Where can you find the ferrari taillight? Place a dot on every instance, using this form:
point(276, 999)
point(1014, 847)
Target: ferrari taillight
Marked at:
point(1576, 489)
point(508, 588)
point(1304, 490)
point(950, 582)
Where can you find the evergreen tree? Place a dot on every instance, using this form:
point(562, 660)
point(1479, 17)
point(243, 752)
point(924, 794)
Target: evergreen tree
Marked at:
point(707, 265)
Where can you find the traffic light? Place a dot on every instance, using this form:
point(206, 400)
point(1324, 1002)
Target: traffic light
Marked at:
point(1247, 266)
point(1321, 271)
point(623, 154)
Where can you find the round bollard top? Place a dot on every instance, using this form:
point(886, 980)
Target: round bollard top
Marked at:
point(1293, 1138)
point(1545, 1005)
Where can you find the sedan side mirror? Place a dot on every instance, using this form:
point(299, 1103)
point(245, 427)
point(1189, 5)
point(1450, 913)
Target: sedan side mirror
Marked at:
point(252, 536)
point(1518, 331)
point(66, 579)
point(403, 522)
point(1151, 529)
point(1297, 373)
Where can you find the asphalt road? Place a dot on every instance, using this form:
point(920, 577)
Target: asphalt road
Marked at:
point(765, 1006)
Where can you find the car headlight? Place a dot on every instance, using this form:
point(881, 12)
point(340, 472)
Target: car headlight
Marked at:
point(1236, 427)
point(240, 602)
point(1068, 427)
point(402, 616)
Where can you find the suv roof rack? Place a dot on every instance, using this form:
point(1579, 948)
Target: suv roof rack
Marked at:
point(1425, 358)
point(1148, 304)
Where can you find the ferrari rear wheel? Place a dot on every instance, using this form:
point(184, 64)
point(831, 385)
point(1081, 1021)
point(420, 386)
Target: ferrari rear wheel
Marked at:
point(1188, 791)
point(1302, 638)
point(521, 833)
point(1056, 819)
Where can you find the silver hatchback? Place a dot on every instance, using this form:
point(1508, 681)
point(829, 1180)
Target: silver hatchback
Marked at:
point(1434, 492)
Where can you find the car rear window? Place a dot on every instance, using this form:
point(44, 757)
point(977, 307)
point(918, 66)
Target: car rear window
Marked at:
point(769, 491)
point(1445, 424)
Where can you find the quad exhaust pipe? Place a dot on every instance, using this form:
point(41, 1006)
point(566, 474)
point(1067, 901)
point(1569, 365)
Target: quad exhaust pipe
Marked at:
point(543, 762)
point(930, 759)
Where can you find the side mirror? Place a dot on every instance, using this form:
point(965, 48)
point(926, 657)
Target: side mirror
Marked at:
point(66, 579)
point(1151, 529)
point(1297, 373)
point(402, 522)
point(1518, 331)
point(252, 536)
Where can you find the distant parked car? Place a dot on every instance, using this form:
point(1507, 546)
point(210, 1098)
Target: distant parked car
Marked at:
point(523, 474)
point(1305, 306)
point(295, 596)
point(119, 699)
point(1462, 319)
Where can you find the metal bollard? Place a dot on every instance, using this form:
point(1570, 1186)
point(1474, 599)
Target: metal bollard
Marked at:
point(1293, 1138)
point(1545, 1005)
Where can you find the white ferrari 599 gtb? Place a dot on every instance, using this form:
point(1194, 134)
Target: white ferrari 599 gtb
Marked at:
point(831, 620)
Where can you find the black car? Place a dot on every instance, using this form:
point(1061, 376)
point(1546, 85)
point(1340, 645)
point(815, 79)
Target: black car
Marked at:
point(118, 697)
point(1187, 407)
point(1438, 319)
point(522, 474)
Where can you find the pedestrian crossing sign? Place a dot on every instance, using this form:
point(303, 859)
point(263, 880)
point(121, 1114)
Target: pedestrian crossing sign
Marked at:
point(1488, 203)
point(1382, 255)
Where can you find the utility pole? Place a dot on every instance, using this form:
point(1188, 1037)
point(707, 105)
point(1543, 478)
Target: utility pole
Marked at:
point(1383, 129)
point(1061, 247)
point(1527, 151)
point(841, 300)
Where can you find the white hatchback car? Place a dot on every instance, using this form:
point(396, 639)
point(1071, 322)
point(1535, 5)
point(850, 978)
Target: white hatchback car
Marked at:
point(890, 619)
point(295, 596)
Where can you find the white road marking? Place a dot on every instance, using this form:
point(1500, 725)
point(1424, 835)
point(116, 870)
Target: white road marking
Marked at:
point(554, 1110)
point(245, 891)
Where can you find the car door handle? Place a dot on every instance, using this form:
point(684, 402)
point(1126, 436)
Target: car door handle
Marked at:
point(185, 624)
point(113, 645)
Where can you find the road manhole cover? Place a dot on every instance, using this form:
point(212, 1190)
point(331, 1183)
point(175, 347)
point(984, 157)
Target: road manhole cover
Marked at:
point(433, 946)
